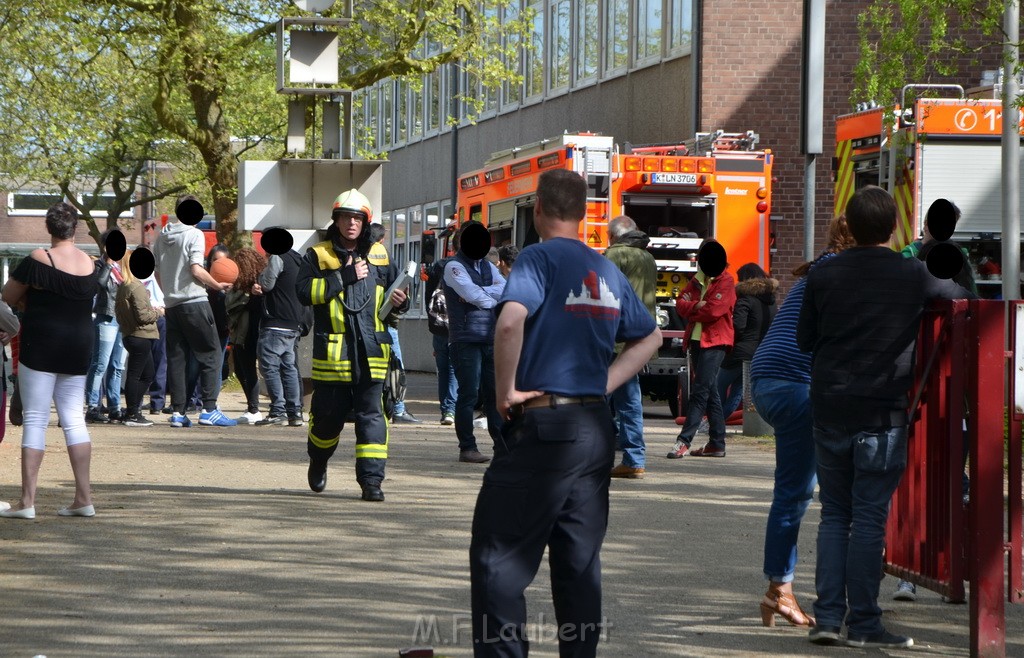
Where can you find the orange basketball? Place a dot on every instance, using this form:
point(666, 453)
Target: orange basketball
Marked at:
point(224, 270)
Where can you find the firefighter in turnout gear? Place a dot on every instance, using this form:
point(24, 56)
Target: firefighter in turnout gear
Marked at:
point(345, 284)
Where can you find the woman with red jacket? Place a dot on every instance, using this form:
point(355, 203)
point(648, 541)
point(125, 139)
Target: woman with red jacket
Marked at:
point(706, 304)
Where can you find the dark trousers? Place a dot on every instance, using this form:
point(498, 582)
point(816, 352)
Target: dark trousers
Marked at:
point(138, 372)
point(191, 327)
point(547, 487)
point(244, 357)
point(328, 410)
point(704, 400)
point(158, 388)
point(474, 370)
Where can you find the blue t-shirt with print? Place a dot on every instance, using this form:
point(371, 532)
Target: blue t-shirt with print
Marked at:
point(579, 306)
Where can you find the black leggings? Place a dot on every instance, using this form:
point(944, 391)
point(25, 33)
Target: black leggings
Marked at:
point(248, 376)
point(139, 371)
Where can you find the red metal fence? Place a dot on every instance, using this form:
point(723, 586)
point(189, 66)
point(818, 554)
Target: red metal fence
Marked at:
point(969, 366)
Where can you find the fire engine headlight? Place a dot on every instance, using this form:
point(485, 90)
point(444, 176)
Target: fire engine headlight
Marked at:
point(662, 318)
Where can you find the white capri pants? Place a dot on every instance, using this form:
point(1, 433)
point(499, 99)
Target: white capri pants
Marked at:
point(37, 389)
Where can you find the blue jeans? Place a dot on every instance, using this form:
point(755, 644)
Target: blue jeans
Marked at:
point(276, 350)
point(447, 385)
point(704, 396)
point(858, 471)
point(730, 388)
point(629, 418)
point(786, 406)
point(396, 347)
point(474, 369)
point(108, 353)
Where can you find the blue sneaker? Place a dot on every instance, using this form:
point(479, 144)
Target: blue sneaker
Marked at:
point(180, 420)
point(215, 417)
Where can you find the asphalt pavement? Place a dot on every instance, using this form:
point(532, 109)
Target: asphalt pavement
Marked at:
point(208, 542)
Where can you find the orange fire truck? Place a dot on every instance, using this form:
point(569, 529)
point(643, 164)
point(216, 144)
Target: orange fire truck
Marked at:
point(925, 149)
point(716, 185)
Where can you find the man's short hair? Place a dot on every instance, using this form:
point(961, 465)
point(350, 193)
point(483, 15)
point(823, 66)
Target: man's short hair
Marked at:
point(871, 215)
point(508, 254)
point(376, 232)
point(620, 226)
point(562, 194)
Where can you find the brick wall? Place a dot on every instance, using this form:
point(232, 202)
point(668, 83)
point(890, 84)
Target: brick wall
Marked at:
point(31, 229)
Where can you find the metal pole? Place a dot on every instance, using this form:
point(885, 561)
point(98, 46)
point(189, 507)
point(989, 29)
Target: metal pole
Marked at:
point(809, 176)
point(813, 95)
point(1011, 154)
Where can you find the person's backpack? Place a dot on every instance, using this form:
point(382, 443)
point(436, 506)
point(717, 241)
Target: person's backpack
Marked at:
point(437, 313)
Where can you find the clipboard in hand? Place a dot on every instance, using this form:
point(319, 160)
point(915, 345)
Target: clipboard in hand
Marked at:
point(403, 280)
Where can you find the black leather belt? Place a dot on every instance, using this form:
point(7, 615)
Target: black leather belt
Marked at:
point(553, 401)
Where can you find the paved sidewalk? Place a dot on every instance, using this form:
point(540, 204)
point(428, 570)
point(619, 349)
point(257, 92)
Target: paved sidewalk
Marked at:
point(207, 542)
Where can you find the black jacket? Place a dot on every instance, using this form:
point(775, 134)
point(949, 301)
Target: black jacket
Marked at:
point(283, 309)
point(754, 311)
point(860, 318)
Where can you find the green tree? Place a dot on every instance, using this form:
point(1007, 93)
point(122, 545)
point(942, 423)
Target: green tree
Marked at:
point(208, 67)
point(77, 116)
point(921, 41)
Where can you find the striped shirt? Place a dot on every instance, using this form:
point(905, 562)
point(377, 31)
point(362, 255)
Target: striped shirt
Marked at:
point(778, 357)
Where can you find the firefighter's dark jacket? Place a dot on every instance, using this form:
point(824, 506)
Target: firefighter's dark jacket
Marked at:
point(345, 323)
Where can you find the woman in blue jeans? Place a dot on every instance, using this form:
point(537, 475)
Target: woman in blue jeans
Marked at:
point(780, 383)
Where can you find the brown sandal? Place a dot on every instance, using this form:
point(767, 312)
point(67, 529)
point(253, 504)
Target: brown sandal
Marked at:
point(777, 602)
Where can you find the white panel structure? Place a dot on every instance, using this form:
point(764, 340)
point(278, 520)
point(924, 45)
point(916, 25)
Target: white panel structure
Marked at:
point(968, 174)
point(313, 57)
point(299, 194)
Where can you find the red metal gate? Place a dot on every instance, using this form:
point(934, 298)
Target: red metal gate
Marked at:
point(968, 373)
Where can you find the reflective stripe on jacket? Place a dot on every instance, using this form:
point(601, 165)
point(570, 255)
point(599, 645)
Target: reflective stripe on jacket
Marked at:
point(342, 336)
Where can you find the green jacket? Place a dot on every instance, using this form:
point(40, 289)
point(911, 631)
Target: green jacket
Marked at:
point(630, 255)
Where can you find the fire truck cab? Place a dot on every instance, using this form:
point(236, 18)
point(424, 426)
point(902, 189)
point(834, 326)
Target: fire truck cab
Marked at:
point(716, 185)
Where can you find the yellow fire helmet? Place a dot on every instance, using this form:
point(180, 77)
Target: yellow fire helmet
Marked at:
point(353, 201)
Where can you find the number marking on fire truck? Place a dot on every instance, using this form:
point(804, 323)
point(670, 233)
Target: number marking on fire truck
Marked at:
point(674, 179)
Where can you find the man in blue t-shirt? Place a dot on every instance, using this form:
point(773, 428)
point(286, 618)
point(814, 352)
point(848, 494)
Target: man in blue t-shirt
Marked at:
point(564, 308)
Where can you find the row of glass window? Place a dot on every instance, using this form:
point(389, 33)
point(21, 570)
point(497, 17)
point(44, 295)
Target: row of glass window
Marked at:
point(37, 203)
point(404, 230)
point(575, 43)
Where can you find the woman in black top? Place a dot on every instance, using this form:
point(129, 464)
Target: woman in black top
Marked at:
point(54, 288)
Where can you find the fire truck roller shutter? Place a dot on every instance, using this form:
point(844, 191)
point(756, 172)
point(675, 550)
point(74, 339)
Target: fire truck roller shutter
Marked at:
point(656, 213)
point(968, 174)
point(526, 233)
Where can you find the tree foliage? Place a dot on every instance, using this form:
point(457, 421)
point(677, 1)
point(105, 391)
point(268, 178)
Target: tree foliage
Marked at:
point(920, 41)
point(99, 85)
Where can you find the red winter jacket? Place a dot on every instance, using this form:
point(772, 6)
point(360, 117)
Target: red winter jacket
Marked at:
point(715, 316)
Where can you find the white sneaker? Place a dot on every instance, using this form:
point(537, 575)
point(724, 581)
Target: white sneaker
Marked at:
point(249, 418)
point(905, 591)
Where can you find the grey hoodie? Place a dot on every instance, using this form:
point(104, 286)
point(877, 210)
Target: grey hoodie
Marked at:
point(177, 248)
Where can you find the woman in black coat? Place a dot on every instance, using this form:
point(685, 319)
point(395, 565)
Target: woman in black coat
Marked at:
point(755, 308)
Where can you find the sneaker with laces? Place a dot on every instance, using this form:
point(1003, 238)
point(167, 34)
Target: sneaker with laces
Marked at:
point(447, 419)
point(880, 640)
point(180, 420)
point(116, 417)
point(905, 591)
point(296, 421)
point(272, 419)
point(215, 417)
point(679, 450)
point(136, 420)
point(249, 418)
